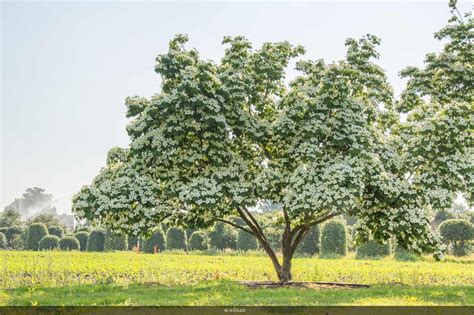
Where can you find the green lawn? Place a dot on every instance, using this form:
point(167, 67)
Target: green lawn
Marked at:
point(229, 293)
point(173, 278)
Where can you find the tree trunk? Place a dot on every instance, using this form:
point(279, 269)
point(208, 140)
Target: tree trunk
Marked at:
point(285, 273)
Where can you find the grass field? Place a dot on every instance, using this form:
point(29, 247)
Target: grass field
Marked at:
point(127, 278)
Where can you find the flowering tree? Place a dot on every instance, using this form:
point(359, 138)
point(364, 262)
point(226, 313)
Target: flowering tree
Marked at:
point(220, 138)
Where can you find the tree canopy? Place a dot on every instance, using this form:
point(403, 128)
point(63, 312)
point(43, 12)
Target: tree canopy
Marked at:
point(222, 137)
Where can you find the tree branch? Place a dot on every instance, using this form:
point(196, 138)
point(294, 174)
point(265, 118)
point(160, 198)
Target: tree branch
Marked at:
point(236, 225)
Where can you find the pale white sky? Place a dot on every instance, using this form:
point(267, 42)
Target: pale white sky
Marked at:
point(66, 67)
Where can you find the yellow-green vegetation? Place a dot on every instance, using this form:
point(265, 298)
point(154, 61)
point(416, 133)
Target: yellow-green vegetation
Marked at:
point(56, 269)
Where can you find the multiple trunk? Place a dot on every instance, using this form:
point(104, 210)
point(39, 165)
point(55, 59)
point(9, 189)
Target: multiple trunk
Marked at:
point(290, 240)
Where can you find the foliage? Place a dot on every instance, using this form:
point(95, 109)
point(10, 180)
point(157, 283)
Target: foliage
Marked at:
point(56, 230)
point(222, 236)
point(36, 232)
point(34, 200)
point(3, 241)
point(311, 244)
point(69, 243)
point(49, 219)
point(175, 238)
point(372, 249)
point(11, 232)
point(10, 217)
point(49, 242)
point(402, 254)
point(457, 233)
point(95, 242)
point(132, 241)
point(115, 241)
point(334, 238)
point(84, 229)
point(199, 241)
point(246, 241)
point(157, 239)
point(82, 237)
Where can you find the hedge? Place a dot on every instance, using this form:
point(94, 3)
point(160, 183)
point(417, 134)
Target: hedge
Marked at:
point(372, 249)
point(11, 232)
point(222, 236)
point(175, 238)
point(246, 241)
point(69, 243)
point(95, 242)
point(457, 234)
point(311, 243)
point(402, 254)
point(3, 241)
point(334, 239)
point(49, 242)
point(82, 237)
point(115, 241)
point(56, 230)
point(36, 232)
point(199, 241)
point(132, 241)
point(156, 239)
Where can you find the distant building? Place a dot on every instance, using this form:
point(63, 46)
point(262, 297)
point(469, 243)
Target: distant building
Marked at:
point(67, 220)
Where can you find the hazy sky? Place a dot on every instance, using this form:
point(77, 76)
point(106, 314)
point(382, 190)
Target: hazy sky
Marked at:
point(68, 66)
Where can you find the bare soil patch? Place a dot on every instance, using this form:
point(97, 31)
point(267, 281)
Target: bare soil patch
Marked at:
point(304, 285)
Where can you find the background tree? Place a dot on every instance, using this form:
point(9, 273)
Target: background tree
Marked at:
point(34, 201)
point(372, 249)
point(222, 236)
point(48, 219)
point(114, 241)
point(10, 217)
point(199, 241)
point(49, 242)
point(334, 239)
point(220, 138)
point(82, 237)
point(311, 243)
point(11, 233)
point(175, 239)
point(95, 242)
point(3, 241)
point(156, 240)
point(56, 230)
point(246, 241)
point(36, 232)
point(457, 233)
point(69, 243)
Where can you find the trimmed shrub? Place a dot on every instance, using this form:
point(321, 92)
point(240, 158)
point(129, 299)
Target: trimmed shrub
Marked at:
point(246, 241)
point(222, 236)
point(49, 242)
point(334, 239)
point(199, 241)
point(82, 237)
point(175, 238)
point(95, 242)
point(311, 243)
point(3, 241)
point(69, 243)
point(156, 239)
point(11, 233)
point(372, 249)
point(132, 241)
point(36, 232)
point(115, 241)
point(56, 230)
point(457, 234)
point(402, 254)
point(84, 229)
